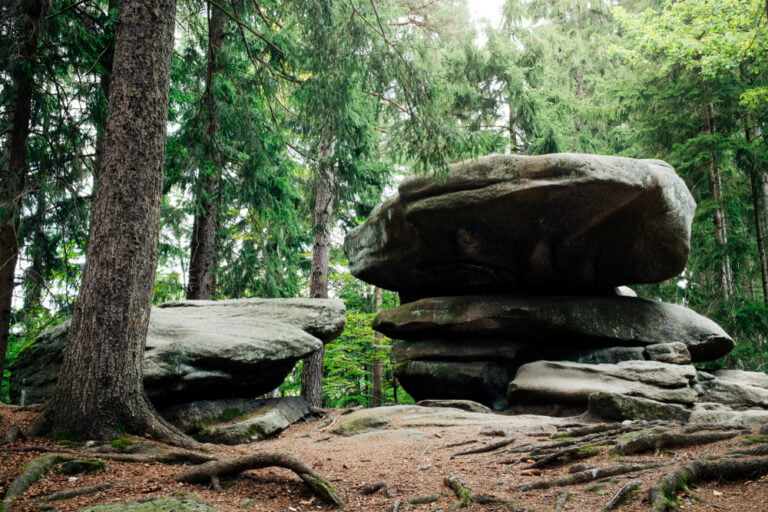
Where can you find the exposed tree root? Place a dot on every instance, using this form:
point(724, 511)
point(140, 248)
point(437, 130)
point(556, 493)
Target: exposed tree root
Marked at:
point(562, 499)
point(700, 427)
point(622, 495)
point(565, 456)
point(582, 477)
point(664, 440)
point(662, 495)
point(460, 489)
point(230, 467)
point(487, 448)
point(36, 469)
point(758, 450)
point(172, 457)
point(80, 491)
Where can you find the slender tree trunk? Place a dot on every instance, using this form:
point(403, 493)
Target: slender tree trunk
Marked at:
point(376, 380)
point(581, 93)
point(202, 262)
point(26, 31)
point(34, 275)
point(718, 215)
point(759, 216)
point(312, 373)
point(99, 391)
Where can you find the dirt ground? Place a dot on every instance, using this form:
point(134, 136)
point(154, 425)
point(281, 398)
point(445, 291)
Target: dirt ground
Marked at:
point(412, 456)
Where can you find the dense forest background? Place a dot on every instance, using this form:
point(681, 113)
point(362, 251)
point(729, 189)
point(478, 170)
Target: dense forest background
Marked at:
point(289, 120)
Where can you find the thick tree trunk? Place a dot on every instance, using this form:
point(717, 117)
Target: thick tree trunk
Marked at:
point(312, 373)
point(25, 32)
point(105, 80)
point(715, 182)
point(202, 262)
point(376, 377)
point(99, 391)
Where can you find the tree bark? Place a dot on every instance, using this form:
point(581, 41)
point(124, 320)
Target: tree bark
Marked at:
point(759, 216)
point(26, 33)
point(202, 262)
point(376, 377)
point(715, 182)
point(312, 372)
point(99, 392)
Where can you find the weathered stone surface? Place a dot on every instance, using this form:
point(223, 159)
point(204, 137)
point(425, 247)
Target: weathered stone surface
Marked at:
point(557, 321)
point(256, 419)
point(464, 405)
point(516, 354)
point(155, 505)
point(615, 407)
point(364, 421)
point(509, 222)
point(706, 413)
point(731, 393)
point(272, 417)
point(479, 381)
point(568, 382)
point(757, 379)
point(673, 353)
point(204, 349)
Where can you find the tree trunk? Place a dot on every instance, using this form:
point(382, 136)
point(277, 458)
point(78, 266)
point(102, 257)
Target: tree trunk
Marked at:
point(376, 380)
point(312, 373)
point(99, 392)
point(25, 32)
point(104, 82)
point(34, 275)
point(581, 94)
point(759, 215)
point(202, 262)
point(718, 215)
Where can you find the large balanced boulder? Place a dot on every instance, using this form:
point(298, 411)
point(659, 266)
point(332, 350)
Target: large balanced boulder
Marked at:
point(557, 321)
point(203, 349)
point(503, 222)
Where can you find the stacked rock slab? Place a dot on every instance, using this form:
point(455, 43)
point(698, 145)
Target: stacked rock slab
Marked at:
point(514, 259)
point(202, 350)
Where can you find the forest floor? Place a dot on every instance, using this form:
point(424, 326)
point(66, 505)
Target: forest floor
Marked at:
point(409, 460)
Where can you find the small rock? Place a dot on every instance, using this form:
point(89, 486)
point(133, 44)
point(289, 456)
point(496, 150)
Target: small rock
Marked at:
point(359, 423)
point(80, 467)
point(673, 353)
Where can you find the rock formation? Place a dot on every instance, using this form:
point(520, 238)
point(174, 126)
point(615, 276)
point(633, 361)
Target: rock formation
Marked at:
point(199, 350)
point(513, 269)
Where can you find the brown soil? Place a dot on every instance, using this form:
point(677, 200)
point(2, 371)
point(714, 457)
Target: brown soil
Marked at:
point(410, 467)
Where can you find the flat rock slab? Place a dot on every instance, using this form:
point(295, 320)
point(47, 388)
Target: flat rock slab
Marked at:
point(569, 321)
point(159, 505)
point(615, 407)
point(416, 417)
point(733, 393)
point(464, 405)
point(503, 223)
point(236, 421)
point(567, 382)
point(713, 413)
point(757, 379)
point(203, 349)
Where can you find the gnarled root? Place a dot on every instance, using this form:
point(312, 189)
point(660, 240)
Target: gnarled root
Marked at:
point(662, 495)
point(32, 472)
point(212, 471)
